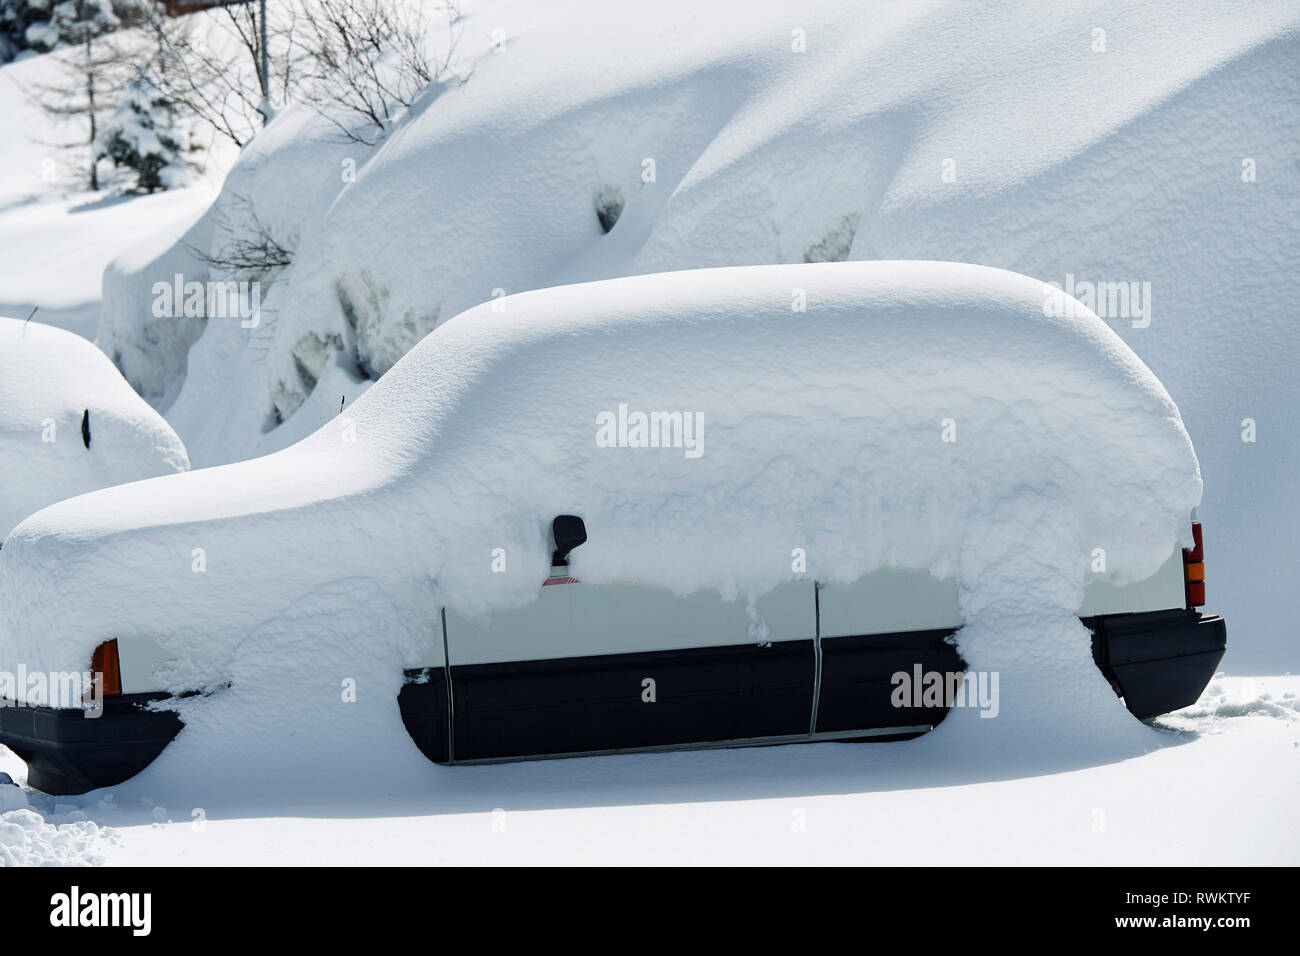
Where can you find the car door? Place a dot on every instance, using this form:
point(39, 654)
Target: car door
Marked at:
point(886, 623)
point(598, 668)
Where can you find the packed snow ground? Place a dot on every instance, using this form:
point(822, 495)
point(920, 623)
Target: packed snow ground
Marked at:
point(1214, 785)
point(56, 248)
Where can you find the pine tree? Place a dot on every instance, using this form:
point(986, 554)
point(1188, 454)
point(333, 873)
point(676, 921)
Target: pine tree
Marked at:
point(146, 135)
point(94, 66)
point(15, 17)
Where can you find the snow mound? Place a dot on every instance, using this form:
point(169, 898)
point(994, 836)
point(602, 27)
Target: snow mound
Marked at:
point(871, 414)
point(50, 380)
point(29, 839)
point(1225, 700)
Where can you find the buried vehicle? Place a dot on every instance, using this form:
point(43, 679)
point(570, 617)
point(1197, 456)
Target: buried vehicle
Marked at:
point(711, 508)
point(70, 423)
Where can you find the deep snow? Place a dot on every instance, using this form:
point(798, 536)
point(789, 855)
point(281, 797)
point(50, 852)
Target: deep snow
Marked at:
point(1214, 787)
point(49, 380)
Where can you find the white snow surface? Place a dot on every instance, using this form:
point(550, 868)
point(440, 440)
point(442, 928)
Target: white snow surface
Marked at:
point(48, 379)
point(822, 430)
point(924, 802)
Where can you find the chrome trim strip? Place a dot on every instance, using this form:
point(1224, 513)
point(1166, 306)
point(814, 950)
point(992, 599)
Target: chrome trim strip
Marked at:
point(451, 702)
point(713, 744)
point(817, 656)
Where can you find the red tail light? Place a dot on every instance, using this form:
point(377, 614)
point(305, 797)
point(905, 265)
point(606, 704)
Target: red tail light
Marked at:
point(1194, 569)
point(105, 661)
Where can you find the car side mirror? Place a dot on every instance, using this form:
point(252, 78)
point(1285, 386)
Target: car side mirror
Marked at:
point(568, 531)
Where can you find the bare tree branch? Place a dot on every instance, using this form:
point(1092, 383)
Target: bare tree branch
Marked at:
point(366, 60)
point(251, 252)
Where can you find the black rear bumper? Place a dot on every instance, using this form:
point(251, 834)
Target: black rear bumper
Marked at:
point(69, 752)
point(1158, 661)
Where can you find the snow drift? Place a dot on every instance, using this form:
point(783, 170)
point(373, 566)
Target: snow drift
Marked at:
point(869, 413)
point(49, 381)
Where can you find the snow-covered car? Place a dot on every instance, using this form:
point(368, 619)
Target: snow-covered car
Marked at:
point(70, 423)
point(711, 508)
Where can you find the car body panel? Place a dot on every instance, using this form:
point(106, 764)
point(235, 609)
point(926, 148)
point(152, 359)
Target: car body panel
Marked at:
point(1160, 591)
point(584, 621)
point(589, 669)
point(581, 620)
point(141, 658)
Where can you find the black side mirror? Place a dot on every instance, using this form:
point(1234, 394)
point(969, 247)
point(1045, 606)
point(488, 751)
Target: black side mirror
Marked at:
point(568, 531)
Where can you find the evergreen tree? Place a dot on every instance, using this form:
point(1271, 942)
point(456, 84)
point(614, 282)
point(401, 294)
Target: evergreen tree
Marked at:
point(15, 17)
point(94, 66)
point(146, 135)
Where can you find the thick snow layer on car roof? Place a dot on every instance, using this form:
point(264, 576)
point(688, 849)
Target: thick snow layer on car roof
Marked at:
point(49, 381)
point(912, 414)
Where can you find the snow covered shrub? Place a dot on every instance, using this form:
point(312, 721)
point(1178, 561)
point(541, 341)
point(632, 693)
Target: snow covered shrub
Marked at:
point(367, 61)
point(15, 17)
point(147, 135)
point(246, 249)
point(209, 64)
point(45, 24)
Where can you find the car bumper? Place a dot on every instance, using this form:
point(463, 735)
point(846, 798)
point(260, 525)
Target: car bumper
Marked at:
point(1158, 661)
point(69, 752)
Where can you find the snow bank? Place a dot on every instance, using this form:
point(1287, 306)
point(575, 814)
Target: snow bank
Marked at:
point(49, 380)
point(28, 839)
point(887, 423)
point(56, 251)
point(1225, 700)
point(38, 830)
point(1192, 197)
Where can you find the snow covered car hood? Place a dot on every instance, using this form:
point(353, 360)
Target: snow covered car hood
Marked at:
point(911, 414)
point(49, 380)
